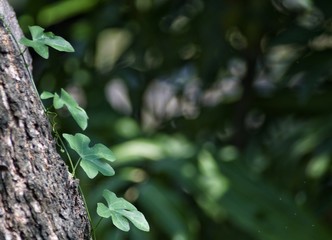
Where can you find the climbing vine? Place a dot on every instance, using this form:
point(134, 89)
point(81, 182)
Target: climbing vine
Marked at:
point(92, 159)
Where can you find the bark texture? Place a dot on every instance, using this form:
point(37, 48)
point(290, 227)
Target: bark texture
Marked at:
point(38, 197)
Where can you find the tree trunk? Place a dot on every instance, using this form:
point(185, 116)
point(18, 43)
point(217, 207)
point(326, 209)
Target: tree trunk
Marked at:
point(38, 197)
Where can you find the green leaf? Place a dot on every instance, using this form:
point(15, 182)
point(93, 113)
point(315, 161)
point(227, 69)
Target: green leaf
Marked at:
point(46, 95)
point(58, 102)
point(120, 222)
point(41, 49)
point(57, 42)
point(75, 110)
point(94, 159)
point(137, 218)
point(41, 40)
point(36, 32)
point(121, 211)
point(103, 211)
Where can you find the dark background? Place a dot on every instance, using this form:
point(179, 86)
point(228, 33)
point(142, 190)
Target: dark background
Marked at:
point(218, 111)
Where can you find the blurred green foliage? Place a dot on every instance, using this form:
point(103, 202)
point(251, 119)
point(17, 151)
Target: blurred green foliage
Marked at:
point(218, 111)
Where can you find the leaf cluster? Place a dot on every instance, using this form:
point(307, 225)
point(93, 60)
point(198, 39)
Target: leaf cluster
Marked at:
point(42, 40)
point(93, 159)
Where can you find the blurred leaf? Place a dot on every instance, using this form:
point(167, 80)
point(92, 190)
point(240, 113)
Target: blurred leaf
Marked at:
point(156, 201)
point(61, 10)
point(217, 169)
point(267, 213)
point(318, 166)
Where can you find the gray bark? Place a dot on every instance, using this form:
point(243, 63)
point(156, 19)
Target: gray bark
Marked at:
point(38, 197)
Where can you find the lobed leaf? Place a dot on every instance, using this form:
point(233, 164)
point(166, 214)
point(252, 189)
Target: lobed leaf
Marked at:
point(41, 40)
point(93, 159)
point(121, 211)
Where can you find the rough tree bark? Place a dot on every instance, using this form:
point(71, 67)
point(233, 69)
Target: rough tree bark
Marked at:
point(38, 197)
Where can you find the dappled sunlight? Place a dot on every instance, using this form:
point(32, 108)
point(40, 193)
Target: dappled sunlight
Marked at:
point(111, 44)
point(117, 95)
point(159, 147)
point(218, 112)
point(318, 166)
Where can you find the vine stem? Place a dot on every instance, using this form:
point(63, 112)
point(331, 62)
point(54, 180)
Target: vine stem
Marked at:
point(66, 151)
point(74, 170)
point(26, 65)
point(62, 145)
point(87, 210)
point(95, 228)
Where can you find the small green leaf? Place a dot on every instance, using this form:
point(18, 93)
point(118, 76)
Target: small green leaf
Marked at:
point(121, 211)
point(46, 95)
point(40, 42)
point(75, 110)
point(41, 49)
point(94, 159)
